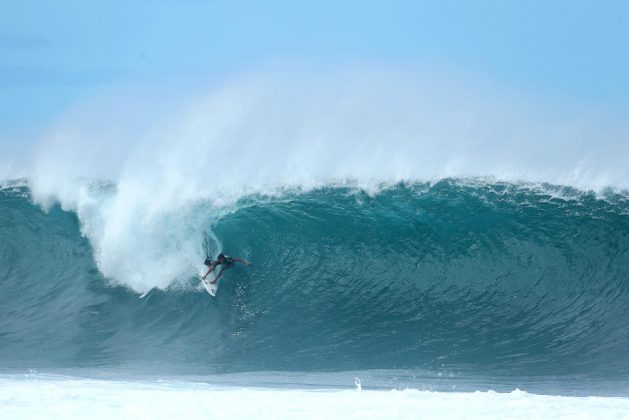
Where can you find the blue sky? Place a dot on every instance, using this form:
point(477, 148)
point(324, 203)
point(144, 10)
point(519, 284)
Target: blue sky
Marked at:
point(55, 53)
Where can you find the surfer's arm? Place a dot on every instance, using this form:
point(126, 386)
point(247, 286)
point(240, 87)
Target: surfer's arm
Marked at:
point(240, 260)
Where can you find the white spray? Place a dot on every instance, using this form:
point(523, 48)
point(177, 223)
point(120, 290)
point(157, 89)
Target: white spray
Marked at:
point(173, 177)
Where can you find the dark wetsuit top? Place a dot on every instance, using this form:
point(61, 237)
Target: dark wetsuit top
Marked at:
point(227, 263)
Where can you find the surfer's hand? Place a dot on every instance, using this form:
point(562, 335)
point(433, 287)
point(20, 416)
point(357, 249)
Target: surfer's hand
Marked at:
point(247, 263)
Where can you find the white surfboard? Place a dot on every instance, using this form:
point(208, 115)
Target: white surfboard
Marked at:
point(211, 288)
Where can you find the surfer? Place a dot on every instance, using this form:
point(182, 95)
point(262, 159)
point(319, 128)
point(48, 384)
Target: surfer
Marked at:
point(225, 263)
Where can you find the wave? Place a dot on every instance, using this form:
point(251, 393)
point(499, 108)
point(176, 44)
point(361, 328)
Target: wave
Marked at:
point(453, 274)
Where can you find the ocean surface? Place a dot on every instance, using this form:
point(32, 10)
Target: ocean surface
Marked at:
point(453, 288)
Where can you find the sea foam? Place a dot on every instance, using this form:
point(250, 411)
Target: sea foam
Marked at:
point(80, 398)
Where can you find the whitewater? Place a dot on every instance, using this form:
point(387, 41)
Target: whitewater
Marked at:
point(418, 249)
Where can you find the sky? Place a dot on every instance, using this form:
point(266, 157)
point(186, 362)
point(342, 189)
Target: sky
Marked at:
point(54, 54)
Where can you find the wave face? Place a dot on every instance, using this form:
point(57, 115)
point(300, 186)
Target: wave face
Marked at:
point(477, 276)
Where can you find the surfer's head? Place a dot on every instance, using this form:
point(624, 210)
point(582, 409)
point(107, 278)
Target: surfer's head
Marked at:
point(220, 257)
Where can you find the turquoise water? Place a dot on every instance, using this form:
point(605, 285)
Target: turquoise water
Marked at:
point(451, 278)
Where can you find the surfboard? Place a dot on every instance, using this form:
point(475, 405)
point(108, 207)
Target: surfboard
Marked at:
point(211, 288)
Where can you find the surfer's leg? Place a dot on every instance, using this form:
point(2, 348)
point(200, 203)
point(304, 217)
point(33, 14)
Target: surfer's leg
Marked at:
point(218, 276)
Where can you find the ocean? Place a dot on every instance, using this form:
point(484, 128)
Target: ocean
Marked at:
point(455, 297)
